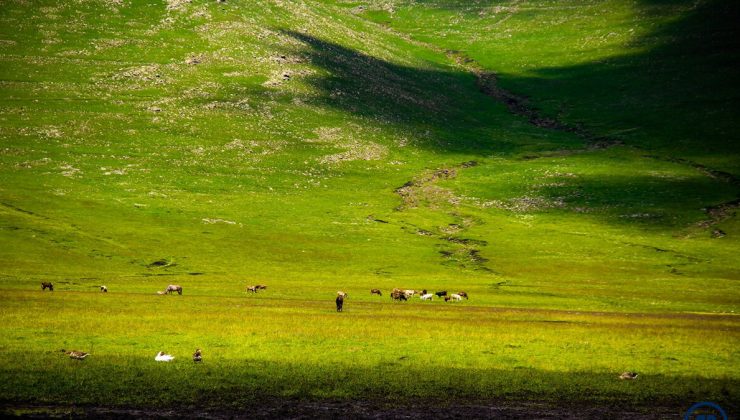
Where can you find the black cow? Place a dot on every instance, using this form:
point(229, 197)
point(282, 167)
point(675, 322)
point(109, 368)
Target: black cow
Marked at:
point(340, 302)
point(442, 293)
point(47, 285)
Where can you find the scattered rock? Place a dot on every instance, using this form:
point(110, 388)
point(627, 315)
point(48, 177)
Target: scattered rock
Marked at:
point(209, 221)
point(718, 233)
point(194, 59)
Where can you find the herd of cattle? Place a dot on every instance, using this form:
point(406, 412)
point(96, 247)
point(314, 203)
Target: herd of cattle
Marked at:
point(404, 295)
point(397, 294)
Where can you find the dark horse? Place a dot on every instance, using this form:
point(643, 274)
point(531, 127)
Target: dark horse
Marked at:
point(340, 302)
point(47, 285)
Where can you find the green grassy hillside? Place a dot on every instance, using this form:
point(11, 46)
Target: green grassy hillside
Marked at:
point(573, 166)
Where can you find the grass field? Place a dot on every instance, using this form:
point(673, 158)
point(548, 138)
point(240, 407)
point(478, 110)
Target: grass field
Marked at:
point(573, 166)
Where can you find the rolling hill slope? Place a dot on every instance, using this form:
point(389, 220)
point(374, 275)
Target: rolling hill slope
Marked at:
point(577, 156)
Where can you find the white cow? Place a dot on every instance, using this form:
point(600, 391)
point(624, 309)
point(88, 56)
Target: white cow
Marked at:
point(455, 296)
point(428, 296)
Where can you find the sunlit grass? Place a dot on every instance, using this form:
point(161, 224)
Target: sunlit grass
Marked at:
point(246, 143)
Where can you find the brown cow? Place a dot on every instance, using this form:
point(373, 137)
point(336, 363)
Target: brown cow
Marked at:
point(173, 288)
point(398, 294)
point(376, 292)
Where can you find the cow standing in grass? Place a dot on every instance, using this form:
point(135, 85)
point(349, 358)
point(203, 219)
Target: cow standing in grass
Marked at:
point(173, 288)
point(376, 292)
point(47, 285)
point(340, 302)
point(398, 295)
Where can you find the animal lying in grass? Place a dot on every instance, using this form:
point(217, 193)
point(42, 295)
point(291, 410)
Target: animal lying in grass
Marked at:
point(162, 357)
point(174, 288)
point(628, 375)
point(47, 285)
point(103, 289)
point(77, 355)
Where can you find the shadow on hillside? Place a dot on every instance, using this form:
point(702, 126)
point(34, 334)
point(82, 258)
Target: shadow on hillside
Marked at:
point(440, 110)
point(677, 94)
point(652, 202)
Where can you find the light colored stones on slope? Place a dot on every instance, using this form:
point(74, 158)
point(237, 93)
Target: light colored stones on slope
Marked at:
point(177, 4)
point(70, 171)
point(150, 74)
point(356, 151)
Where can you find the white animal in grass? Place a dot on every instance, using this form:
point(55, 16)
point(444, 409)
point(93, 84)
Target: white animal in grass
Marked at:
point(161, 357)
point(428, 296)
point(455, 296)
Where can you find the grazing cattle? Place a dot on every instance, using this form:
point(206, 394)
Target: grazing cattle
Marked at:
point(398, 295)
point(428, 296)
point(340, 303)
point(197, 356)
point(173, 288)
point(442, 293)
point(252, 289)
point(409, 292)
point(455, 296)
point(261, 287)
point(103, 289)
point(447, 298)
point(463, 294)
point(342, 294)
point(47, 285)
point(376, 292)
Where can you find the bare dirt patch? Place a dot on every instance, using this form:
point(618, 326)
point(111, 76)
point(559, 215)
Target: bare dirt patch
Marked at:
point(296, 409)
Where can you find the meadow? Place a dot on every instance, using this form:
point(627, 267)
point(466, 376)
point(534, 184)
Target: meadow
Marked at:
point(573, 166)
